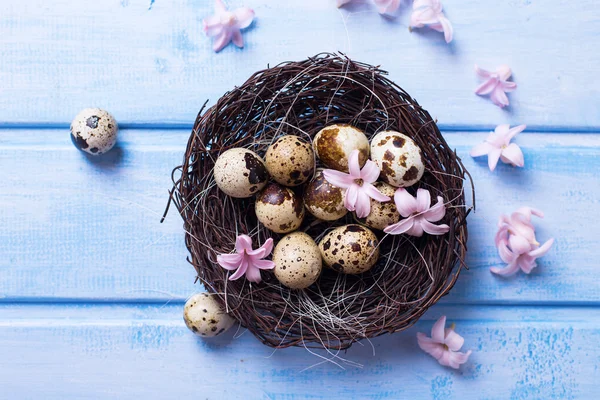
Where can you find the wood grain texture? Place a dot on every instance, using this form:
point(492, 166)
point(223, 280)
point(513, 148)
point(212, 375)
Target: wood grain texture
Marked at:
point(122, 352)
point(79, 228)
point(149, 62)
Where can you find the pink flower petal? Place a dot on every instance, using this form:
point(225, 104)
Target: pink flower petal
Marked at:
point(509, 270)
point(241, 271)
point(244, 17)
point(526, 263)
point(212, 25)
point(400, 227)
point(423, 200)
point(482, 72)
point(221, 41)
point(498, 97)
point(542, 250)
point(243, 242)
point(481, 149)
point(453, 340)
point(433, 229)
point(505, 254)
point(447, 28)
point(387, 6)
point(493, 158)
point(373, 193)
point(518, 244)
point(230, 261)
point(456, 359)
point(363, 204)
point(436, 350)
point(405, 203)
point(236, 38)
point(370, 172)
point(513, 155)
point(220, 6)
point(253, 274)
point(351, 197)
point(354, 165)
point(436, 212)
point(263, 264)
point(417, 229)
point(512, 132)
point(262, 251)
point(486, 87)
point(504, 72)
point(438, 330)
point(509, 86)
point(338, 178)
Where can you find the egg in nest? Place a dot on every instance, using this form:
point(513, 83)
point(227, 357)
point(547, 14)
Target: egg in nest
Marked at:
point(323, 200)
point(382, 213)
point(279, 209)
point(204, 316)
point(334, 144)
point(290, 160)
point(297, 261)
point(350, 249)
point(240, 172)
point(398, 157)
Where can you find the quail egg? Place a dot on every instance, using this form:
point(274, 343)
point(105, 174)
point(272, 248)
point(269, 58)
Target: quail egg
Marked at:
point(385, 213)
point(398, 157)
point(279, 208)
point(94, 131)
point(205, 316)
point(297, 261)
point(334, 144)
point(290, 160)
point(323, 200)
point(350, 249)
point(240, 172)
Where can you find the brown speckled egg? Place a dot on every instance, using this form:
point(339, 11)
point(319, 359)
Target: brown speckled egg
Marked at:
point(94, 131)
point(350, 249)
point(240, 173)
point(290, 160)
point(297, 261)
point(334, 144)
point(205, 316)
point(398, 157)
point(324, 200)
point(279, 208)
point(382, 214)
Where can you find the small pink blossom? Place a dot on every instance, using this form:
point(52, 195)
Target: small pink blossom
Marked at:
point(358, 185)
point(444, 345)
point(497, 146)
point(247, 261)
point(496, 84)
point(517, 244)
point(225, 25)
point(383, 6)
point(429, 13)
point(418, 214)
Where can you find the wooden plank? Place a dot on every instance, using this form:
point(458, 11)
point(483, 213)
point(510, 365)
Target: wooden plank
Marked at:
point(78, 228)
point(96, 351)
point(153, 65)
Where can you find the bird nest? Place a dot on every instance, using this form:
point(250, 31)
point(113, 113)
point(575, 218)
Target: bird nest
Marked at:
point(300, 98)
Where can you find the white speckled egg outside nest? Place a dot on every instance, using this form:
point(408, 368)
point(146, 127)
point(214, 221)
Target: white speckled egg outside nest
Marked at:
point(350, 249)
point(205, 317)
point(334, 144)
point(240, 173)
point(290, 160)
point(398, 157)
point(297, 261)
point(323, 200)
point(94, 131)
point(279, 208)
point(382, 214)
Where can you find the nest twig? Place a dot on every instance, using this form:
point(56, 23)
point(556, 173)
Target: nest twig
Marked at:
point(300, 98)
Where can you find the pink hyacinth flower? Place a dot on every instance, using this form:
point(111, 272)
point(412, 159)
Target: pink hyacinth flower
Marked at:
point(444, 345)
point(225, 25)
point(517, 244)
point(418, 214)
point(358, 184)
point(497, 146)
point(247, 261)
point(496, 84)
point(429, 13)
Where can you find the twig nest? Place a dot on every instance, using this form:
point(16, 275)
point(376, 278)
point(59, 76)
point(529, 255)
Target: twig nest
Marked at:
point(350, 249)
point(205, 316)
point(398, 157)
point(297, 261)
point(382, 213)
point(323, 200)
point(94, 131)
point(240, 173)
point(290, 160)
point(334, 144)
point(279, 208)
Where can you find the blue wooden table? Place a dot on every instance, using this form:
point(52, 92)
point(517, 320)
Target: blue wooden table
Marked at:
point(92, 286)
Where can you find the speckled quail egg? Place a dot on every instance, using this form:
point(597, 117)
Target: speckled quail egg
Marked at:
point(205, 316)
point(334, 144)
point(382, 214)
point(350, 249)
point(240, 172)
point(279, 208)
point(94, 131)
point(290, 160)
point(323, 200)
point(297, 261)
point(398, 157)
